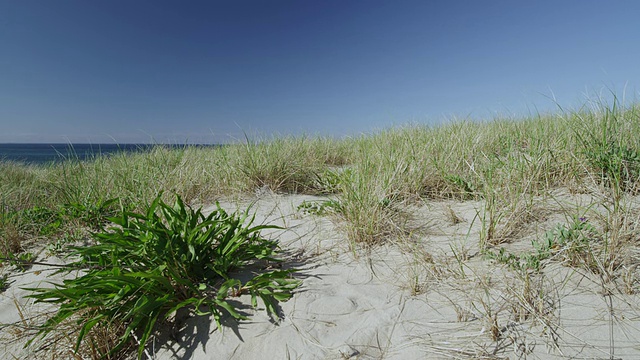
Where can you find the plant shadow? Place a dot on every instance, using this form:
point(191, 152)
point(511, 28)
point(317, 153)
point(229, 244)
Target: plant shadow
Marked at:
point(185, 332)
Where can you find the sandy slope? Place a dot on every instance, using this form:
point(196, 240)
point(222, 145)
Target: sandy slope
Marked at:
point(431, 297)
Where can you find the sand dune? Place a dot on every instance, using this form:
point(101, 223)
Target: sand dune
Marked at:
point(431, 295)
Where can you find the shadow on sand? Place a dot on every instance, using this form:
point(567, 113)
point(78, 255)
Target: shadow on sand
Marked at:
point(185, 332)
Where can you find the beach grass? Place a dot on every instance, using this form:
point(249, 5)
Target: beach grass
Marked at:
point(518, 172)
point(505, 162)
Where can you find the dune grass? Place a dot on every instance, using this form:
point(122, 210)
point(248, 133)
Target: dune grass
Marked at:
point(504, 162)
point(512, 168)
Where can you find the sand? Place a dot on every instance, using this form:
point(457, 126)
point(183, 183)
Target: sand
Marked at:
point(432, 296)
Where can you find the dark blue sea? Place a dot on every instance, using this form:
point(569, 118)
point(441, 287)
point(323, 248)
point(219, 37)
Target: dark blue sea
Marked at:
point(40, 154)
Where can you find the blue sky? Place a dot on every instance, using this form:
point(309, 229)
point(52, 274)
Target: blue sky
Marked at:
point(207, 71)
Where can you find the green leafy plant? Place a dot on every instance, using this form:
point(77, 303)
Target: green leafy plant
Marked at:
point(466, 189)
point(572, 241)
point(59, 246)
point(329, 181)
point(22, 261)
point(168, 258)
point(319, 207)
point(576, 241)
point(519, 262)
point(94, 215)
point(43, 220)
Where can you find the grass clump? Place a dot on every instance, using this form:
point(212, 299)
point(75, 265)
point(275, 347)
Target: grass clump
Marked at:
point(154, 263)
point(571, 244)
point(288, 165)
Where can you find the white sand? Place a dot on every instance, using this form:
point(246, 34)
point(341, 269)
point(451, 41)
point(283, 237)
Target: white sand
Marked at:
point(397, 301)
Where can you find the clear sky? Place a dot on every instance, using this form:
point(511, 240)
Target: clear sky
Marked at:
point(205, 71)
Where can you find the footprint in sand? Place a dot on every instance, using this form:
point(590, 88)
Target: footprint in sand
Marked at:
point(332, 305)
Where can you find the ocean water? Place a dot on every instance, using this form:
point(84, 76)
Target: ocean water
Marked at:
point(39, 154)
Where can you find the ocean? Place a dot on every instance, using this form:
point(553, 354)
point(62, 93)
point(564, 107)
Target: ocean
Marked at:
point(40, 154)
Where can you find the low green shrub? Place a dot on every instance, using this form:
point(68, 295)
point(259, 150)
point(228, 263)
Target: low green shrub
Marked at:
point(319, 207)
point(574, 243)
point(465, 189)
point(329, 181)
point(41, 220)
